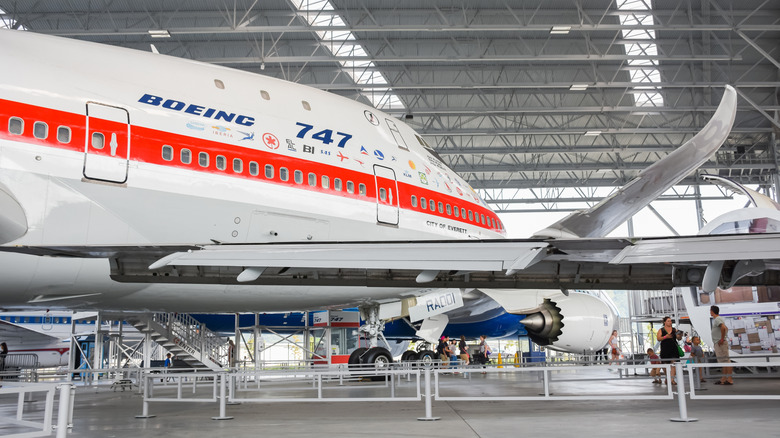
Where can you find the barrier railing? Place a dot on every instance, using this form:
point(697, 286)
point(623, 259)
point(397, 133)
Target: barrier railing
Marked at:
point(44, 426)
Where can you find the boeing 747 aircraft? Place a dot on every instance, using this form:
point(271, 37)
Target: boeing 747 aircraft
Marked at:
point(137, 181)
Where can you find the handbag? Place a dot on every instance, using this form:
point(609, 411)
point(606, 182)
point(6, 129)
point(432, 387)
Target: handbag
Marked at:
point(680, 351)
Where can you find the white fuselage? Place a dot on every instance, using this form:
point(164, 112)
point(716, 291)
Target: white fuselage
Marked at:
point(107, 146)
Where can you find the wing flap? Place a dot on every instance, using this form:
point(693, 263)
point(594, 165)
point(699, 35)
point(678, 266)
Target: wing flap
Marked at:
point(702, 249)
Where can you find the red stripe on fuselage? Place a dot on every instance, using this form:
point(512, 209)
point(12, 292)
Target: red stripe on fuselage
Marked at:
point(146, 146)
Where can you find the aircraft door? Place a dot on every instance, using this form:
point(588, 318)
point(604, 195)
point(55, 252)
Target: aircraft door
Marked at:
point(107, 147)
point(386, 195)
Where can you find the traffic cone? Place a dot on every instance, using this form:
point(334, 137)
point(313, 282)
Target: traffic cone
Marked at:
point(517, 359)
point(499, 360)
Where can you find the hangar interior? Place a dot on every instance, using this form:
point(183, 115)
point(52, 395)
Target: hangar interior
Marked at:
point(543, 106)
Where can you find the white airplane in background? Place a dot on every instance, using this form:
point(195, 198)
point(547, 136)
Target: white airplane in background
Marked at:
point(136, 181)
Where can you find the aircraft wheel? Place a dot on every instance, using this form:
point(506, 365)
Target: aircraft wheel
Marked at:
point(409, 356)
point(356, 356)
point(426, 357)
point(379, 357)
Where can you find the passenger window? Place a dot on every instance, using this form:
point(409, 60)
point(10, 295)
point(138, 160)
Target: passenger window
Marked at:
point(457, 212)
point(383, 194)
point(203, 159)
point(221, 162)
point(63, 134)
point(298, 176)
point(312, 179)
point(325, 181)
point(441, 207)
point(362, 189)
point(98, 140)
point(449, 210)
point(238, 165)
point(269, 171)
point(414, 201)
point(463, 213)
point(471, 216)
point(423, 204)
point(350, 187)
point(40, 130)
point(185, 156)
point(432, 204)
point(167, 152)
point(15, 126)
point(482, 219)
point(283, 175)
point(337, 184)
point(254, 168)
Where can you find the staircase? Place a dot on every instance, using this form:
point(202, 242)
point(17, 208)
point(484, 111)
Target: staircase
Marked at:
point(184, 337)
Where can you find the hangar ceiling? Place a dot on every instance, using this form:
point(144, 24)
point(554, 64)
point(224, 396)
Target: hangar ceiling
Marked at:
point(539, 104)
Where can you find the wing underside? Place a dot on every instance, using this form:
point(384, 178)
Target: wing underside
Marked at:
point(653, 263)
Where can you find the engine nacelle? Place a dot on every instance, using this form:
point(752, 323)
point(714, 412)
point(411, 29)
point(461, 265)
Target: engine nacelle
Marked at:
point(579, 322)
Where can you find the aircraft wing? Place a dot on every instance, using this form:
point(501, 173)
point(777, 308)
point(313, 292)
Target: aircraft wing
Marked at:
point(605, 263)
point(651, 182)
point(13, 334)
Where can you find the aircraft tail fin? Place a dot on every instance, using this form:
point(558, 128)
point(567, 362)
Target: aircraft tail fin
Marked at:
point(651, 182)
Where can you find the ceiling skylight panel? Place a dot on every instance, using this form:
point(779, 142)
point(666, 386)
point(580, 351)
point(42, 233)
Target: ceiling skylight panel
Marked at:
point(642, 70)
point(341, 43)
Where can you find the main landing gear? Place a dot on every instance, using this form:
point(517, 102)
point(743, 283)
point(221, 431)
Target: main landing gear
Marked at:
point(374, 357)
point(424, 354)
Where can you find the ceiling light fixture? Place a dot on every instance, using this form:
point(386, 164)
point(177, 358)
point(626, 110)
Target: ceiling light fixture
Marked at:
point(159, 34)
point(560, 30)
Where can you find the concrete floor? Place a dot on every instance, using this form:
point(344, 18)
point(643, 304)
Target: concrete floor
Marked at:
point(101, 412)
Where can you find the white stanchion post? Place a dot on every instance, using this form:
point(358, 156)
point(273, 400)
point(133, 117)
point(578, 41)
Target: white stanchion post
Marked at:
point(428, 407)
point(147, 384)
point(681, 395)
point(222, 398)
point(63, 410)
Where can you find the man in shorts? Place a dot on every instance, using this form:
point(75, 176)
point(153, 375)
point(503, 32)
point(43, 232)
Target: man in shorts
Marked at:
point(721, 344)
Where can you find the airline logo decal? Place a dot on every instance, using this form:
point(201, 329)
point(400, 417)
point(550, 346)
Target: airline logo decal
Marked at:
point(271, 141)
point(371, 118)
point(363, 150)
point(222, 131)
point(197, 110)
point(247, 136)
point(423, 178)
point(196, 126)
point(342, 157)
point(379, 155)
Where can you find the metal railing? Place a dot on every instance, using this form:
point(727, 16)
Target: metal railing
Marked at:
point(193, 337)
point(44, 426)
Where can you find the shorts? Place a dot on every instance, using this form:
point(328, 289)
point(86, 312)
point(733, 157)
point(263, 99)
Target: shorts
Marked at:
point(722, 352)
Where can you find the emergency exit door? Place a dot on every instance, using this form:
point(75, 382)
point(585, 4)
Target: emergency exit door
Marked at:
point(386, 195)
point(107, 147)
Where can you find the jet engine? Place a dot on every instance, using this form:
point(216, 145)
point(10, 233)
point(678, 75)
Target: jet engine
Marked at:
point(574, 322)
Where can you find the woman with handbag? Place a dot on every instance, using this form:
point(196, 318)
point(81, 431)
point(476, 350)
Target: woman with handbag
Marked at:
point(669, 347)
